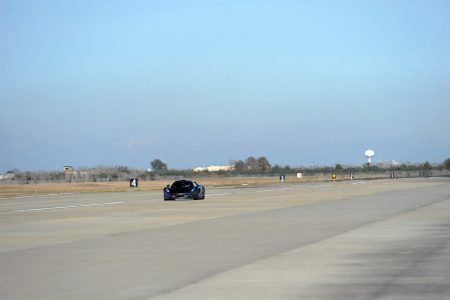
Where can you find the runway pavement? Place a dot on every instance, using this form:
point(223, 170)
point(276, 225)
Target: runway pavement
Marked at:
point(337, 240)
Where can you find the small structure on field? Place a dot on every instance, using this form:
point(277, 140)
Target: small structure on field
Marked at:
point(10, 175)
point(68, 173)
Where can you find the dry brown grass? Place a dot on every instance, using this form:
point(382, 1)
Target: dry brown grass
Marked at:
point(14, 190)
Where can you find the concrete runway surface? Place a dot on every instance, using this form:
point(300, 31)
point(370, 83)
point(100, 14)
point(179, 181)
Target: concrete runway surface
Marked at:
point(385, 239)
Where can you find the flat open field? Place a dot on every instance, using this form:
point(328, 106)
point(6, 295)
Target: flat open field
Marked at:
point(378, 239)
point(14, 190)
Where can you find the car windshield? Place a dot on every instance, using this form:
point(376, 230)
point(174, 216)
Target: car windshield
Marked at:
point(182, 186)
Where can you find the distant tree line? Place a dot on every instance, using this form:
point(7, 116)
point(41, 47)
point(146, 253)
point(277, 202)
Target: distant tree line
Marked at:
point(94, 174)
point(252, 166)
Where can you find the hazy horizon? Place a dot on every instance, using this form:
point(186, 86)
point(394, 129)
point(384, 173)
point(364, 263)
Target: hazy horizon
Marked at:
point(197, 83)
point(363, 163)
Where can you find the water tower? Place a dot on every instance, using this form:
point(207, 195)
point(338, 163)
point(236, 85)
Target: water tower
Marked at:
point(369, 154)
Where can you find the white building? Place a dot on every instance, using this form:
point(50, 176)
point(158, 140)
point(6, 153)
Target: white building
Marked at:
point(10, 175)
point(214, 168)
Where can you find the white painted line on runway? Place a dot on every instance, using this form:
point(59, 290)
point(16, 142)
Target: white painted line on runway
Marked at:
point(223, 194)
point(33, 196)
point(70, 206)
point(274, 190)
point(127, 202)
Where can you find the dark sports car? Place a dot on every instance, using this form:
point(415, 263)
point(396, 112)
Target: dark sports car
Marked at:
point(185, 189)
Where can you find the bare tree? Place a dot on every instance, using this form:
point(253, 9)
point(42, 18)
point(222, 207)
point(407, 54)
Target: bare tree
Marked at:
point(158, 165)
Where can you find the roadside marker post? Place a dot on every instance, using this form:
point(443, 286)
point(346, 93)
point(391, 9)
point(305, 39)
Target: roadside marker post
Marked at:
point(134, 183)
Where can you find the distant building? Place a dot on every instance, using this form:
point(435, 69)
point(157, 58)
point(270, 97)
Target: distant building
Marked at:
point(10, 175)
point(68, 169)
point(69, 173)
point(214, 168)
point(388, 164)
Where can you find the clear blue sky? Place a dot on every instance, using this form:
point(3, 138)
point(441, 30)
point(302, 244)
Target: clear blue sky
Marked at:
point(90, 83)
